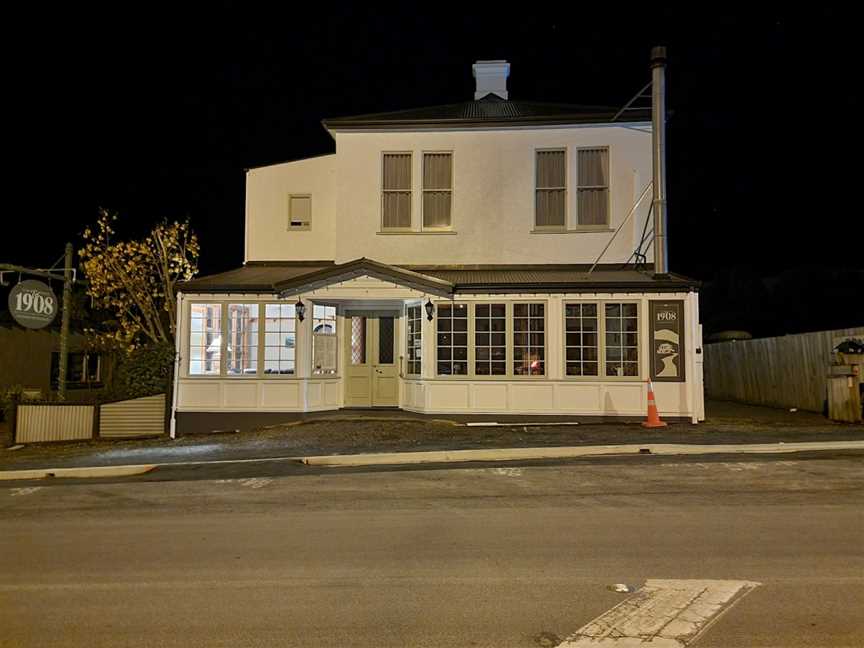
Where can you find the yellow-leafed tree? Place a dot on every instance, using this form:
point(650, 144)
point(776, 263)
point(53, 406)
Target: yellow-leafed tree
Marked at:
point(135, 280)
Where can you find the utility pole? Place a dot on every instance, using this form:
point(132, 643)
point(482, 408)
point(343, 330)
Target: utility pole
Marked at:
point(64, 325)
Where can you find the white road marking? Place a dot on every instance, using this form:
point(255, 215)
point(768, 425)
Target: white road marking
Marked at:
point(662, 614)
point(256, 482)
point(24, 491)
point(506, 472)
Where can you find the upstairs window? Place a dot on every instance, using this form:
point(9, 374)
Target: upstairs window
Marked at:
point(551, 190)
point(396, 191)
point(593, 186)
point(299, 212)
point(437, 190)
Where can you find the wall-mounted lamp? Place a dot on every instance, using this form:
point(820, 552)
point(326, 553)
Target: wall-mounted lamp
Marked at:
point(301, 309)
point(430, 309)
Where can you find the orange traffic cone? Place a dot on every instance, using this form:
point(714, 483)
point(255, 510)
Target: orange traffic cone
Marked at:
point(653, 420)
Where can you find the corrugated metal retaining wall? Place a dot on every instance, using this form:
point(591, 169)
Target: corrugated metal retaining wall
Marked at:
point(788, 371)
point(36, 423)
point(133, 418)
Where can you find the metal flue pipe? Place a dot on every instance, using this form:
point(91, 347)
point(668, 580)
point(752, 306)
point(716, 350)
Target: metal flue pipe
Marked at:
point(658, 142)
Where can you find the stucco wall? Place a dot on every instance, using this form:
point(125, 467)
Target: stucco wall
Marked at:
point(493, 198)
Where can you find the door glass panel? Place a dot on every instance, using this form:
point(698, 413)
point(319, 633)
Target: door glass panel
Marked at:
point(385, 340)
point(358, 340)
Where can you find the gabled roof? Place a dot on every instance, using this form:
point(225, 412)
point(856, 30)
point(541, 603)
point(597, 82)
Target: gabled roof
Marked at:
point(364, 267)
point(491, 110)
point(286, 278)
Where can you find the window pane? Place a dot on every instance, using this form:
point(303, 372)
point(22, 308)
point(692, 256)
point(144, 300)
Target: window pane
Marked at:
point(385, 340)
point(242, 343)
point(205, 339)
point(300, 211)
point(436, 209)
point(397, 209)
point(358, 340)
point(622, 348)
point(580, 320)
point(551, 192)
point(323, 339)
point(414, 339)
point(279, 339)
point(397, 171)
point(528, 342)
point(593, 186)
point(489, 346)
point(452, 327)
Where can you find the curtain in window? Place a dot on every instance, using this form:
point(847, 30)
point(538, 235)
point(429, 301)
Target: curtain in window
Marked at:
point(551, 189)
point(593, 183)
point(396, 197)
point(437, 187)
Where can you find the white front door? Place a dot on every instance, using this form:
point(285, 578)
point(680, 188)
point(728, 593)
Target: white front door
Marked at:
point(371, 369)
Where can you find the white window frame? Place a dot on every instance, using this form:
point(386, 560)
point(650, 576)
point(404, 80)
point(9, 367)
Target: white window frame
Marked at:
point(335, 334)
point(563, 226)
point(410, 190)
point(510, 375)
point(601, 341)
point(424, 190)
point(222, 374)
point(303, 226)
point(419, 335)
point(469, 346)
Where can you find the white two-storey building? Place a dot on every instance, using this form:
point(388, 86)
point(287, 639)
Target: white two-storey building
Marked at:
point(440, 261)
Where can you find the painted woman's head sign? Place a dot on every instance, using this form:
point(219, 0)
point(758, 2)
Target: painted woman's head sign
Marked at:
point(667, 341)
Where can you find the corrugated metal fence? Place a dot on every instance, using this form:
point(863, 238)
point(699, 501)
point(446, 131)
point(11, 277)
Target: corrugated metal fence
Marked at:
point(133, 418)
point(54, 422)
point(139, 417)
point(788, 371)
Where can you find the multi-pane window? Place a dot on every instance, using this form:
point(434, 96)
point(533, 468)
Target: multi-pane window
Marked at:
point(593, 186)
point(551, 189)
point(205, 339)
point(414, 337)
point(580, 340)
point(621, 324)
point(490, 339)
point(452, 342)
point(83, 370)
point(299, 212)
point(323, 339)
point(396, 191)
point(241, 349)
point(437, 189)
point(280, 337)
point(529, 339)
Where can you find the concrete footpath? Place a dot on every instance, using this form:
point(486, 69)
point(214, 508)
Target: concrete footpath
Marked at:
point(375, 438)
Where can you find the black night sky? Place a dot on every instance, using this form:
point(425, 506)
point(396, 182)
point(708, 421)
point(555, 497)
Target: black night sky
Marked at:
point(155, 111)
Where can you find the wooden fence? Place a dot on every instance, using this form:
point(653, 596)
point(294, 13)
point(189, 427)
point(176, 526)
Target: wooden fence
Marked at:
point(788, 371)
point(39, 422)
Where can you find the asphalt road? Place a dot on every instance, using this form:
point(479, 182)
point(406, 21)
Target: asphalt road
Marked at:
point(475, 556)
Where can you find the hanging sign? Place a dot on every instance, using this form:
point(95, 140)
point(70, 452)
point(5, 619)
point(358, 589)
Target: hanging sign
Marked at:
point(33, 304)
point(667, 341)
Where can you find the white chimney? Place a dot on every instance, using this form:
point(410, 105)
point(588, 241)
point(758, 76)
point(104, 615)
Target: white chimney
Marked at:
point(491, 77)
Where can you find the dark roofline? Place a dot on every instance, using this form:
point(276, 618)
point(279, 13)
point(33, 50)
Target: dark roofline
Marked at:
point(604, 118)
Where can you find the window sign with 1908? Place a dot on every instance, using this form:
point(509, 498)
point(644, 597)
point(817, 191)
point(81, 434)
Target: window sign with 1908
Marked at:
point(33, 304)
